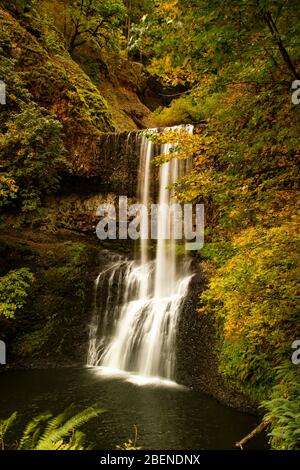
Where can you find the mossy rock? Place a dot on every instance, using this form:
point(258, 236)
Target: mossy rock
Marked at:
point(52, 327)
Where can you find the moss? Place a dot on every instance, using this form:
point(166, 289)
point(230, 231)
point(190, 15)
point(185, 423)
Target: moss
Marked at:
point(183, 110)
point(56, 82)
point(58, 306)
point(29, 344)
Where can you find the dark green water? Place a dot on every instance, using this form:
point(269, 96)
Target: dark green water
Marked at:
point(166, 417)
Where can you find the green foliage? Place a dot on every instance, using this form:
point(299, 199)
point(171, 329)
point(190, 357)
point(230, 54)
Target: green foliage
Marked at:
point(30, 344)
point(67, 277)
point(14, 289)
point(42, 25)
point(137, 9)
point(48, 432)
point(58, 301)
point(283, 409)
point(19, 7)
point(93, 21)
point(8, 190)
point(184, 42)
point(183, 110)
point(16, 91)
point(32, 154)
point(5, 425)
point(255, 294)
point(219, 252)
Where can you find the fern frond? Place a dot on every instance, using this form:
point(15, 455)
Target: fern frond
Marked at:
point(46, 442)
point(32, 430)
point(5, 425)
point(55, 422)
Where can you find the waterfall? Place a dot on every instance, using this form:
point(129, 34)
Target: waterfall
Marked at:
point(134, 330)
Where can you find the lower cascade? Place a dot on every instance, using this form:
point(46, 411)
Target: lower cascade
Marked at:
point(134, 329)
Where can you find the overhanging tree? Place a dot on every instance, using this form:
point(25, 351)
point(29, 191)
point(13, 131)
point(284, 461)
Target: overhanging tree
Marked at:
point(93, 20)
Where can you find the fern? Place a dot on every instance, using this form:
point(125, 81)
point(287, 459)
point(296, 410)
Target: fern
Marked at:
point(57, 433)
point(5, 425)
point(283, 409)
point(48, 432)
point(32, 431)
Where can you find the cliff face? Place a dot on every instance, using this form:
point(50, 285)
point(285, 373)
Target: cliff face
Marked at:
point(87, 106)
point(112, 172)
point(52, 329)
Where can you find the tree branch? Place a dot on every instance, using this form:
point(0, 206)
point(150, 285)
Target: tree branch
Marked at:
point(275, 33)
point(252, 434)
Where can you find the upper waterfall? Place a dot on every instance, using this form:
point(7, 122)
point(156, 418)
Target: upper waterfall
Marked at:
point(135, 331)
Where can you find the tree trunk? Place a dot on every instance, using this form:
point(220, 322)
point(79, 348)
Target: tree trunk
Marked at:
point(284, 53)
point(252, 434)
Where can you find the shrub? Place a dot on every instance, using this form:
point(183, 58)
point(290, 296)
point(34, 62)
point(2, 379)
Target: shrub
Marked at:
point(14, 289)
point(32, 154)
point(181, 111)
point(283, 409)
point(48, 432)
